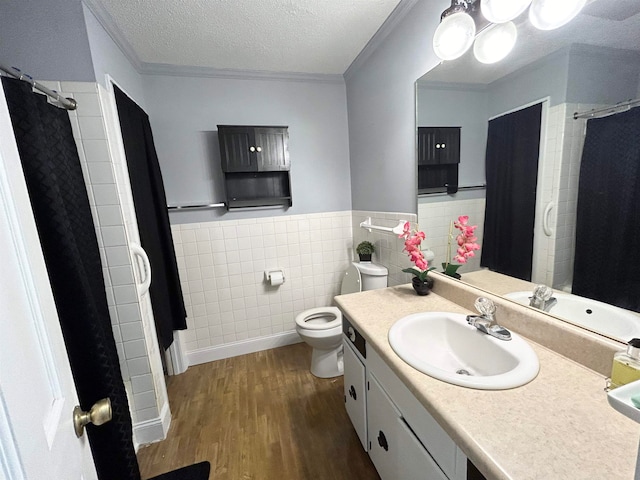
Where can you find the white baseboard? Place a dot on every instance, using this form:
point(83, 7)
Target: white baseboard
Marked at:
point(209, 354)
point(154, 430)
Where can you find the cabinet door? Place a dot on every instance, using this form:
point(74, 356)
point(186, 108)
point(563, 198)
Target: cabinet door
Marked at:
point(272, 150)
point(235, 149)
point(382, 425)
point(427, 146)
point(354, 392)
point(413, 459)
point(447, 145)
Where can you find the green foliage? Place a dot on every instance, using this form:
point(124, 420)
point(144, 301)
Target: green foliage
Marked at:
point(365, 248)
point(421, 274)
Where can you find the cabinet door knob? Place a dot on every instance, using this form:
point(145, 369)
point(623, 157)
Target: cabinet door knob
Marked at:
point(382, 441)
point(252, 149)
point(352, 334)
point(352, 393)
point(258, 149)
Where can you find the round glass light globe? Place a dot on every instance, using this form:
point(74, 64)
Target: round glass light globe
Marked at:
point(495, 43)
point(500, 11)
point(551, 14)
point(454, 36)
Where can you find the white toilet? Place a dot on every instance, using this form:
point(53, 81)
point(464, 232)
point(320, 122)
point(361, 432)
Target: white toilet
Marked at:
point(322, 327)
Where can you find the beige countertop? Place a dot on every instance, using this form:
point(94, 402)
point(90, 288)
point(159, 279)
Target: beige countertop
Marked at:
point(559, 426)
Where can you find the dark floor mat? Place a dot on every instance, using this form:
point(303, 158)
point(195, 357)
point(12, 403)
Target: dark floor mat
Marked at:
point(197, 471)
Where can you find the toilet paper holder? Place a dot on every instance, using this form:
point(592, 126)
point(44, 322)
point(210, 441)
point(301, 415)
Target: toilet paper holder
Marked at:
point(276, 273)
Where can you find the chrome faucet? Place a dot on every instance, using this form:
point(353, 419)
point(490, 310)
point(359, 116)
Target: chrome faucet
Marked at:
point(485, 322)
point(542, 298)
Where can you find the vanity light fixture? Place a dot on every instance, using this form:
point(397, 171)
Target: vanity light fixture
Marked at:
point(551, 14)
point(464, 18)
point(456, 31)
point(501, 11)
point(495, 42)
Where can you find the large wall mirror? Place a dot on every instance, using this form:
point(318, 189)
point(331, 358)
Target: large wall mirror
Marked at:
point(538, 181)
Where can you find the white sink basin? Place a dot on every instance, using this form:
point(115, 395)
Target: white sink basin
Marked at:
point(584, 312)
point(444, 346)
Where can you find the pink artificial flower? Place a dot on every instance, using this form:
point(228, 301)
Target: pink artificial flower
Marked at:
point(412, 247)
point(466, 239)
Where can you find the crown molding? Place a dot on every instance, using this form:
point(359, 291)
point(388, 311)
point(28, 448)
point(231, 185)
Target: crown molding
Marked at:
point(456, 86)
point(383, 32)
point(108, 23)
point(236, 74)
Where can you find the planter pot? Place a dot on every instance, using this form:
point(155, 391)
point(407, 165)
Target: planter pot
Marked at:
point(422, 288)
point(450, 269)
point(365, 257)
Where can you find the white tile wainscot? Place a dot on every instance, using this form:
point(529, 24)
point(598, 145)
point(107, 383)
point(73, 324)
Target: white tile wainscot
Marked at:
point(230, 308)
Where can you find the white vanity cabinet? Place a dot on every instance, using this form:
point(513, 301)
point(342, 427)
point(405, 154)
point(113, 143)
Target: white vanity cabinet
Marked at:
point(401, 437)
point(394, 449)
point(354, 392)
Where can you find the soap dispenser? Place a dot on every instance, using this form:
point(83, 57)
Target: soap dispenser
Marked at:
point(626, 365)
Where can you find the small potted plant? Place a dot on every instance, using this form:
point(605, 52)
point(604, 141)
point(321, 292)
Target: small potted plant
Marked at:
point(364, 250)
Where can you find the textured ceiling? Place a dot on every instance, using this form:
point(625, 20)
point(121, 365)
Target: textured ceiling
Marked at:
point(304, 36)
point(605, 23)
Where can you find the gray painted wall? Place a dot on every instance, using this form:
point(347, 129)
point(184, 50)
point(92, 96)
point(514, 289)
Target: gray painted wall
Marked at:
point(185, 112)
point(439, 106)
point(381, 106)
point(109, 59)
point(546, 77)
point(46, 39)
point(602, 75)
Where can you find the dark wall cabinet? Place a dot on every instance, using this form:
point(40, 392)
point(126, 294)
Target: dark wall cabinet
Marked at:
point(253, 149)
point(438, 145)
point(255, 163)
point(438, 159)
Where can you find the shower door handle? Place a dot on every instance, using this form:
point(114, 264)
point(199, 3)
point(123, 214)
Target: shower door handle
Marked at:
point(545, 219)
point(145, 273)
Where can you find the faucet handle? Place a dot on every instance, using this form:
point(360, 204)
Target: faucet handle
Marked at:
point(542, 292)
point(485, 306)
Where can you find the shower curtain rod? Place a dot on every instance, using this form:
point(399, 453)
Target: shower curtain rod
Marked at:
point(622, 106)
point(68, 103)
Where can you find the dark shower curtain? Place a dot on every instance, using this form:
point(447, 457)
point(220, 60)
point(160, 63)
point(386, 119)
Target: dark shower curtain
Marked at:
point(67, 234)
point(607, 258)
point(513, 144)
point(153, 220)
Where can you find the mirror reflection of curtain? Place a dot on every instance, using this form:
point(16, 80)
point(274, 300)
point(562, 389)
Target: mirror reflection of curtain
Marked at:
point(513, 144)
point(607, 257)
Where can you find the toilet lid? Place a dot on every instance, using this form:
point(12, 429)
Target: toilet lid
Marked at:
point(322, 318)
point(351, 281)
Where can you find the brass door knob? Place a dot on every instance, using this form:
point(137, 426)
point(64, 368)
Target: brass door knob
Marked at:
point(99, 414)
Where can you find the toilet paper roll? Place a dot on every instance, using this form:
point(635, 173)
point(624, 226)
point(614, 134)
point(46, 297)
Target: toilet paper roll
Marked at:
point(276, 278)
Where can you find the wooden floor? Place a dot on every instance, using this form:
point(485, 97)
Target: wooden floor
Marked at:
point(259, 416)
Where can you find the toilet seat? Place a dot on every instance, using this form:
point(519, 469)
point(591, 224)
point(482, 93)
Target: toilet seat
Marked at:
point(322, 318)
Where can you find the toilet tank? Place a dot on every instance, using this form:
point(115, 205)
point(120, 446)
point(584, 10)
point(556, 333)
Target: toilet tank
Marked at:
point(373, 276)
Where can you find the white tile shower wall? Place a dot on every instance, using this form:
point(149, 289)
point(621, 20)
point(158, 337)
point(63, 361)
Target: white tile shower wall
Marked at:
point(435, 220)
point(550, 166)
point(388, 247)
point(573, 143)
point(222, 264)
point(127, 209)
point(95, 159)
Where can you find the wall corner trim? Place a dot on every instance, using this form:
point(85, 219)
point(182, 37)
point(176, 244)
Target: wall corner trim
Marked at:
point(398, 13)
point(106, 20)
point(210, 354)
point(153, 430)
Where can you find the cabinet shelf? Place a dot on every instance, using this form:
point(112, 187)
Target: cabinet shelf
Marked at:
point(259, 202)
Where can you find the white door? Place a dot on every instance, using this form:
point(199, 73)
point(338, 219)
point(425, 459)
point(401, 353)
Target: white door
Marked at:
point(37, 394)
